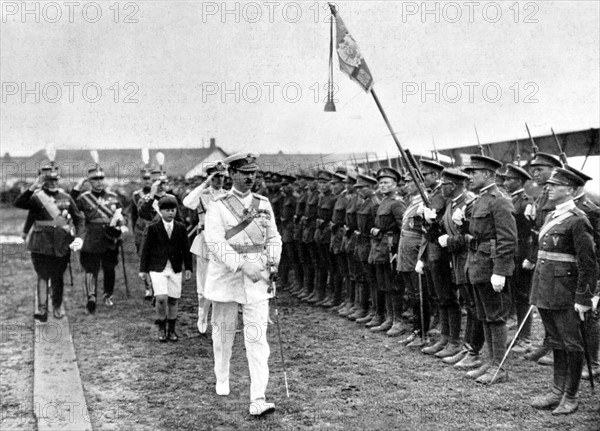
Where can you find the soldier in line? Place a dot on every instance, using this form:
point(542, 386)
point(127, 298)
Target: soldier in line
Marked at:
point(241, 226)
point(139, 224)
point(409, 246)
point(564, 277)
point(455, 226)
point(592, 212)
point(286, 229)
point(492, 244)
point(336, 225)
point(520, 283)
point(349, 239)
point(57, 229)
point(303, 258)
point(385, 234)
point(104, 224)
point(199, 200)
point(309, 219)
point(365, 220)
point(541, 168)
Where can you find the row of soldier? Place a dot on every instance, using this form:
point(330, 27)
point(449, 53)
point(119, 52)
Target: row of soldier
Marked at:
point(362, 245)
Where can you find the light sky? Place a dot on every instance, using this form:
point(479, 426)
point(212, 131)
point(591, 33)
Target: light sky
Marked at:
point(179, 59)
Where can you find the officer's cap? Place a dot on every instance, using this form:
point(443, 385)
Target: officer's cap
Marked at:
point(580, 174)
point(545, 159)
point(243, 162)
point(287, 179)
point(217, 166)
point(483, 162)
point(305, 175)
point(145, 173)
point(167, 202)
point(564, 177)
point(338, 178)
point(351, 177)
point(95, 173)
point(275, 177)
point(453, 176)
point(365, 181)
point(387, 172)
point(428, 166)
point(49, 172)
point(513, 171)
point(324, 175)
point(341, 170)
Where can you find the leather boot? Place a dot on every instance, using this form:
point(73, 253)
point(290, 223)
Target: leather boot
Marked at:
point(389, 315)
point(162, 330)
point(451, 349)
point(397, 324)
point(375, 321)
point(171, 334)
point(535, 354)
point(363, 300)
point(552, 399)
point(569, 402)
point(90, 284)
point(498, 343)
point(453, 360)
point(478, 372)
point(438, 346)
point(472, 360)
point(41, 299)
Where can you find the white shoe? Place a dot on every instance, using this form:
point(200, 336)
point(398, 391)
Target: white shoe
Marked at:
point(202, 327)
point(223, 388)
point(260, 407)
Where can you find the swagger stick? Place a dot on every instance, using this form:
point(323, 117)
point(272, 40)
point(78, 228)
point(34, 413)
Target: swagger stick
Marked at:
point(586, 350)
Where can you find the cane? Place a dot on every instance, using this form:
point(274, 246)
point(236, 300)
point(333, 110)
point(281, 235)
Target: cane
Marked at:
point(421, 305)
point(586, 350)
point(70, 271)
point(124, 269)
point(512, 343)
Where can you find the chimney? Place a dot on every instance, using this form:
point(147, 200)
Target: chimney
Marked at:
point(213, 143)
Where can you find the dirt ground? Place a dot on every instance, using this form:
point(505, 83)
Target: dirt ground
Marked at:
point(341, 376)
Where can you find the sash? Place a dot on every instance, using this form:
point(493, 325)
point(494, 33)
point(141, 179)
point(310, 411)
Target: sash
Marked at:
point(48, 204)
point(553, 223)
point(101, 209)
point(237, 209)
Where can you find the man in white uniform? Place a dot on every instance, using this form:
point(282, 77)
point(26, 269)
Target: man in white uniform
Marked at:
point(242, 240)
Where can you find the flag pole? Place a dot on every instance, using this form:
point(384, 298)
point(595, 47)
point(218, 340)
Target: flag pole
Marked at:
point(409, 166)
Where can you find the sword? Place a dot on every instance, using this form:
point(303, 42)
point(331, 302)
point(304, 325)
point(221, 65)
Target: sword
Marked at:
point(124, 269)
point(586, 350)
point(421, 306)
point(512, 343)
point(273, 289)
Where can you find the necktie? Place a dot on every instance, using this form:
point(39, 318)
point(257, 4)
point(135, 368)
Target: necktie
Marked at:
point(169, 230)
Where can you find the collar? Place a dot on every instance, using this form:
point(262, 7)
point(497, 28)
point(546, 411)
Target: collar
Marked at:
point(563, 208)
point(579, 196)
point(486, 188)
point(517, 192)
point(240, 194)
point(168, 223)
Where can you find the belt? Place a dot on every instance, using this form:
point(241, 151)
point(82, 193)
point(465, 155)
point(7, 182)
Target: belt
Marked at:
point(53, 223)
point(475, 243)
point(410, 234)
point(557, 257)
point(245, 249)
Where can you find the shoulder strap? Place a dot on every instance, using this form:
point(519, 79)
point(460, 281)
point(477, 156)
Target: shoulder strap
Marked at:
point(48, 204)
point(554, 222)
point(237, 209)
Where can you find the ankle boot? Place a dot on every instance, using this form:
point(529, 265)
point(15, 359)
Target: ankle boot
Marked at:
point(162, 330)
point(171, 335)
point(552, 399)
point(569, 402)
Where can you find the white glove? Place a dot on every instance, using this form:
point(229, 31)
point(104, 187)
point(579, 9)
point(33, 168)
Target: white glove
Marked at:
point(420, 209)
point(117, 217)
point(374, 231)
point(443, 240)
point(595, 300)
point(124, 229)
point(76, 245)
point(582, 309)
point(528, 265)
point(429, 215)
point(530, 212)
point(458, 216)
point(498, 282)
point(419, 267)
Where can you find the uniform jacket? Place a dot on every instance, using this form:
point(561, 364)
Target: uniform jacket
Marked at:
point(225, 281)
point(98, 209)
point(411, 236)
point(158, 248)
point(430, 248)
point(457, 246)
point(327, 201)
point(494, 232)
point(138, 223)
point(543, 207)
point(338, 221)
point(567, 267)
point(388, 220)
point(51, 235)
point(365, 219)
point(351, 224)
point(520, 200)
point(310, 217)
point(199, 200)
point(288, 210)
point(276, 199)
point(592, 212)
point(300, 210)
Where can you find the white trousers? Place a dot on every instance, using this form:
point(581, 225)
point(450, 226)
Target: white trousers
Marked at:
point(203, 303)
point(224, 324)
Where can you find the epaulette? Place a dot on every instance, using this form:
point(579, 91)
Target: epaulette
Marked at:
point(256, 195)
point(578, 212)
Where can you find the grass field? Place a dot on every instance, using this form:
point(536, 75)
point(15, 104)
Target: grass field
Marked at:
point(341, 375)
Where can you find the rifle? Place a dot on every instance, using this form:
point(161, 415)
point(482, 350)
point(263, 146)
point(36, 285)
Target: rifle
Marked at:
point(435, 152)
point(478, 141)
point(562, 155)
point(368, 163)
point(518, 154)
point(412, 162)
point(534, 147)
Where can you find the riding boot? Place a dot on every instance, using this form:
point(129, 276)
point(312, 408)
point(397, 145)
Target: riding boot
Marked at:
point(397, 326)
point(90, 284)
point(41, 306)
point(569, 402)
point(386, 325)
point(552, 399)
